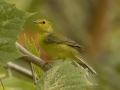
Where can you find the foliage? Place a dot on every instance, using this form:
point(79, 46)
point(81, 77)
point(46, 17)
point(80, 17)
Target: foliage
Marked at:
point(64, 77)
point(11, 22)
point(32, 48)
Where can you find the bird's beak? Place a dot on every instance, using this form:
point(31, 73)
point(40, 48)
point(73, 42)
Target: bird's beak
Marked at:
point(36, 22)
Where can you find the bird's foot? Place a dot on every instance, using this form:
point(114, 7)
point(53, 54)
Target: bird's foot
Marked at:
point(46, 64)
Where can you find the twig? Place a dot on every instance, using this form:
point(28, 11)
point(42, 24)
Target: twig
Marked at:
point(32, 58)
point(19, 68)
point(2, 84)
point(9, 71)
point(33, 73)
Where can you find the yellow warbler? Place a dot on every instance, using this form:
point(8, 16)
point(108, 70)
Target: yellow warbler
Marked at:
point(59, 46)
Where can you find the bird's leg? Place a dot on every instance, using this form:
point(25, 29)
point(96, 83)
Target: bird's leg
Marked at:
point(45, 64)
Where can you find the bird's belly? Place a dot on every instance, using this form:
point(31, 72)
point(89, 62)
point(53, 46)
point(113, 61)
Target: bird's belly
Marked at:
point(57, 50)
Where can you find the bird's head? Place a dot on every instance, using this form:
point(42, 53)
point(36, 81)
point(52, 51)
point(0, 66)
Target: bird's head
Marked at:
point(43, 25)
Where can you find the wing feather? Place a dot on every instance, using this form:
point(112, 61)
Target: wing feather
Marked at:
point(59, 39)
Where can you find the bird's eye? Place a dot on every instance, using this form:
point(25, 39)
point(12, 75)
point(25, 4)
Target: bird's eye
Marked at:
point(43, 22)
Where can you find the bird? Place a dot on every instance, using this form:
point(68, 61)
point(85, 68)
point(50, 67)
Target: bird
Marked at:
point(58, 45)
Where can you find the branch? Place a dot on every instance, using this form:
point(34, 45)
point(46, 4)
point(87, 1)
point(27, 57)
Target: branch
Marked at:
point(9, 71)
point(19, 68)
point(34, 59)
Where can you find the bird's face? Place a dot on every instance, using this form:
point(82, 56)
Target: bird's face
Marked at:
point(43, 25)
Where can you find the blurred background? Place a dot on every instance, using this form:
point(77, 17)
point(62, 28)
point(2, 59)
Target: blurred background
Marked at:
point(94, 24)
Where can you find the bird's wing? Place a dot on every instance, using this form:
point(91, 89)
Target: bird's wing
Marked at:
point(59, 39)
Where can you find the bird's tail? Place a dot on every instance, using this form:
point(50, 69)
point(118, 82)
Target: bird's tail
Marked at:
point(84, 64)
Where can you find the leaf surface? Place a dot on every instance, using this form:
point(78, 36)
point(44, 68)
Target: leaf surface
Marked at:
point(64, 77)
point(11, 22)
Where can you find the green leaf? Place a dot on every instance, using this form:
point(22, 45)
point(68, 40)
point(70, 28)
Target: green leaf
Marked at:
point(11, 22)
point(13, 83)
point(64, 77)
point(32, 48)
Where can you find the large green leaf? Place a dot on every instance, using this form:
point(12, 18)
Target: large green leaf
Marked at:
point(11, 22)
point(64, 77)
